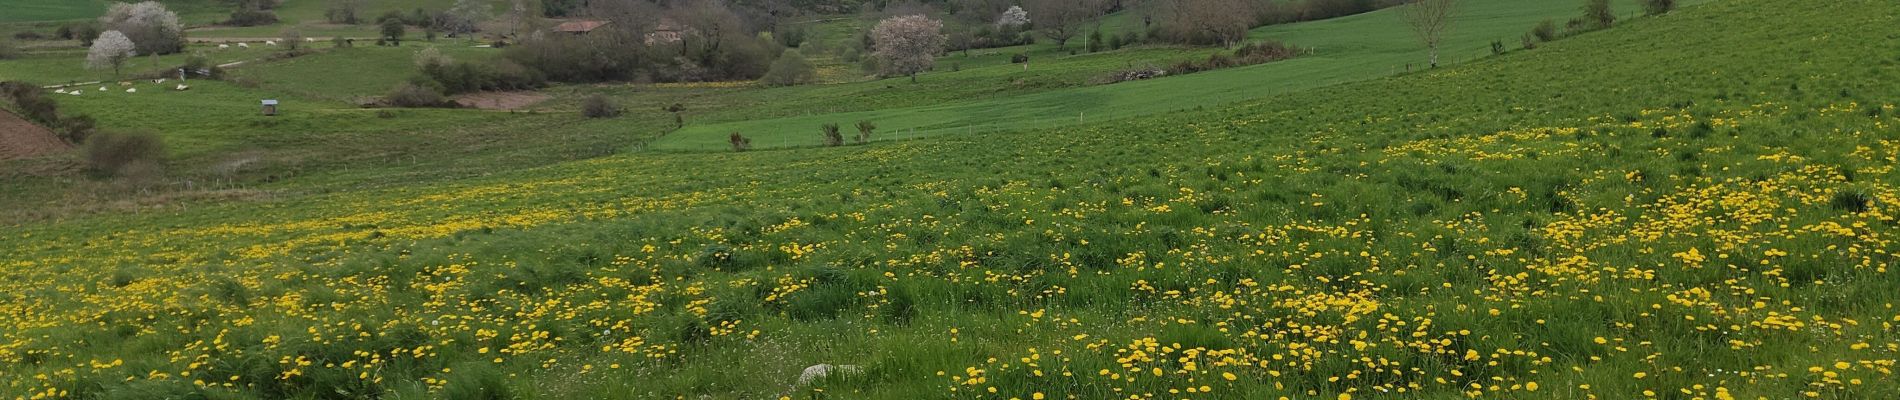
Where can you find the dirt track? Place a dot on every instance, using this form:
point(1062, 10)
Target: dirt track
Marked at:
point(22, 139)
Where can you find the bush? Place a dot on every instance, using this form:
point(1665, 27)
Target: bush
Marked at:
point(1095, 42)
point(1659, 7)
point(1598, 14)
point(76, 129)
point(248, 16)
point(865, 129)
point(1019, 58)
point(1497, 47)
point(411, 94)
point(599, 106)
point(1545, 31)
point(832, 137)
point(8, 52)
point(739, 142)
point(791, 69)
point(116, 154)
point(28, 35)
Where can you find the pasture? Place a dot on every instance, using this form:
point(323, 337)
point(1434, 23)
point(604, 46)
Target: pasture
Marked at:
point(1710, 216)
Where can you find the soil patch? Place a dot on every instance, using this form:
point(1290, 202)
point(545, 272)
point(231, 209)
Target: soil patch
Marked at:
point(22, 139)
point(500, 100)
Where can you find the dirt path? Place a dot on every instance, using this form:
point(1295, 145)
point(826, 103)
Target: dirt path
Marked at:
point(500, 100)
point(22, 139)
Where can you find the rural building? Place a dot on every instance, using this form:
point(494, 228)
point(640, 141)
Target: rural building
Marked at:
point(270, 108)
point(581, 27)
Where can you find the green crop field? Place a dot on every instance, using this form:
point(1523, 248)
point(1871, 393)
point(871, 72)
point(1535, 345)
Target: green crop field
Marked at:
point(42, 10)
point(1696, 205)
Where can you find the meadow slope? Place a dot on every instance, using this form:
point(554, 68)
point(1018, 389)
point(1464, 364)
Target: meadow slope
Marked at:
point(1706, 215)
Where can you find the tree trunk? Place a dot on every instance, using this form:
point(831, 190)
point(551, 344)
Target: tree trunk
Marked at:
point(1434, 47)
point(913, 77)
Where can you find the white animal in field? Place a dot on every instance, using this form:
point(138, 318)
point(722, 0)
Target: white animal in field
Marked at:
point(270, 43)
point(102, 88)
point(132, 90)
point(224, 46)
point(160, 80)
point(310, 40)
point(244, 45)
point(75, 93)
point(182, 87)
point(59, 91)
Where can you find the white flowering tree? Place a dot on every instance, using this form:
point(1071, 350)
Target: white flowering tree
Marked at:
point(152, 28)
point(110, 50)
point(1014, 18)
point(907, 45)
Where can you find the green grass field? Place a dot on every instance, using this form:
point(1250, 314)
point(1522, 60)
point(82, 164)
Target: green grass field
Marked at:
point(1379, 45)
point(38, 10)
point(1706, 215)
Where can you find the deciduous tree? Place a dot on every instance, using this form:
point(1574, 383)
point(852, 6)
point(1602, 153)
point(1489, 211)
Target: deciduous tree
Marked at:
point(1429, 19)
point(150, 27)
point(1062, 20)
point(110, 50)
point(907, 45)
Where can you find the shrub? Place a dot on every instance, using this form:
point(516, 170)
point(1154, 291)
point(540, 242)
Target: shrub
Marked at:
point(411, 94)
point(116, 154)
point(28, 35)
point(1659, 7)
point(832, 137)
point(248, 16)
point(1095, 42)
point(1598, 14)
point(1530, 42)
point(1019, 58)
point(865, 128)
point(8, 52)
point(1545, 31)
point(791, 69)
point(739, 142)
point(599, 106)
point(1497, 47)
point(76, 129)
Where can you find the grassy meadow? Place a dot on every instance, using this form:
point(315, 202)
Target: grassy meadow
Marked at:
point(1698, 205)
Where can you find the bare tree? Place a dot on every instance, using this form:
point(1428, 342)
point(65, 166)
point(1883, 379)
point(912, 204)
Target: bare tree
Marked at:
point(110, 50)
point(1062, 20)
point(1223, 22)
point(908, 45)
point(1429, 19)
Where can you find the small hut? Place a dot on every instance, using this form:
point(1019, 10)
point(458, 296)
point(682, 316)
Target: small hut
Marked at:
point(270, 107)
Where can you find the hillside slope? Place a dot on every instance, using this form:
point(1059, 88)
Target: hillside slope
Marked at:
point(1346, 49)
point(1707, 215)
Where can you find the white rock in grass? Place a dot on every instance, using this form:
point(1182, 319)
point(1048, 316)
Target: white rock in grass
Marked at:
point(821, 371)
point(59, 91)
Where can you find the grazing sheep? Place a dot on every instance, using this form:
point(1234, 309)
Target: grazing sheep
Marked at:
point(270, 43)
point(182, 87)
point(59, 91)
point(310, 40)
point(224, 46)
point(75, 93)
point(102, 88)
point(244, 45)
point(132, 90)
